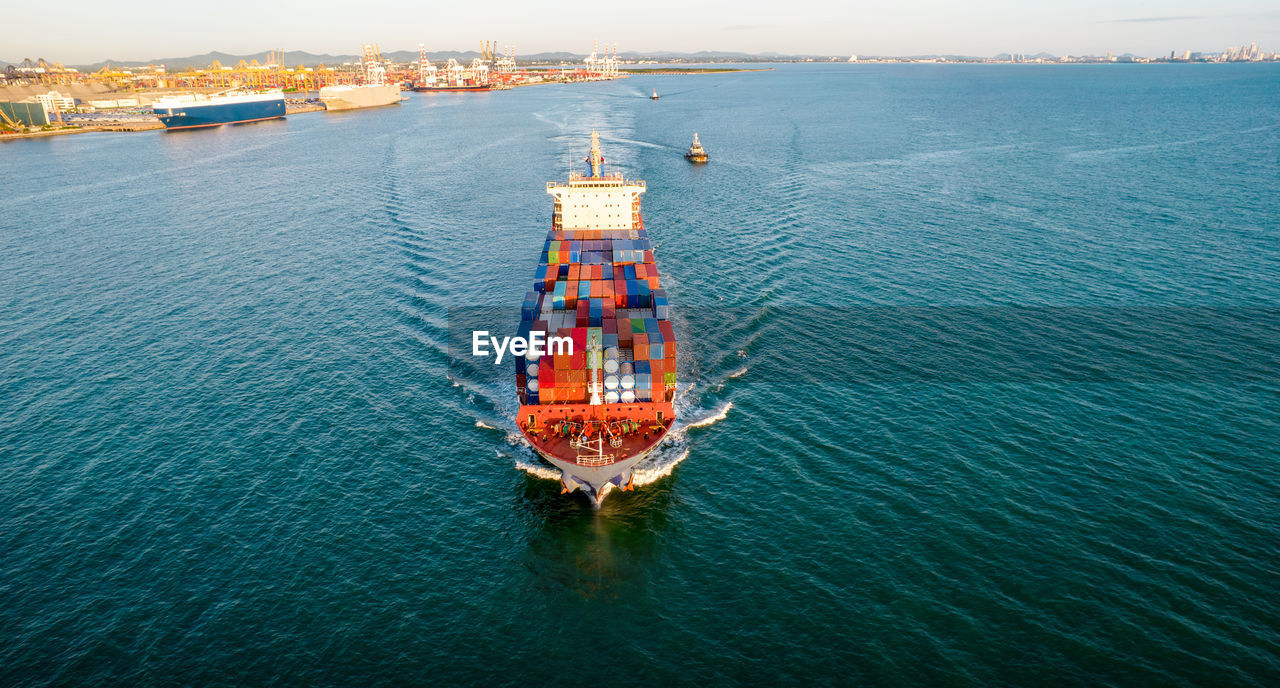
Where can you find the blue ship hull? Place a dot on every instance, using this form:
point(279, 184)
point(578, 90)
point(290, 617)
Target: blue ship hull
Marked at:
point(198, 115)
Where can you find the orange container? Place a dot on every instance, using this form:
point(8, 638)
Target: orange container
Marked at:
point(640, 344)
point(571, 294)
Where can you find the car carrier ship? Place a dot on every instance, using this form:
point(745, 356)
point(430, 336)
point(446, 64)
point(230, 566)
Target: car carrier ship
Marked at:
point(598, 411)
point(375, 91)
point(196, 110)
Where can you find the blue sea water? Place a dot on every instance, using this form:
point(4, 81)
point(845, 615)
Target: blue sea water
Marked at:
point(978, 387)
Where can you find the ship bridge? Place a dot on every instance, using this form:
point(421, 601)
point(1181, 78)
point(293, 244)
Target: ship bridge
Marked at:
point(596, 200)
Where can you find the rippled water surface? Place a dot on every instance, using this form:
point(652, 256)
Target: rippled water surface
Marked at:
point(234, 448)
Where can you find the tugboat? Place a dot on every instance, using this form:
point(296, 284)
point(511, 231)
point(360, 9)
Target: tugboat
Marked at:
point(655, 95)
point(696, 152)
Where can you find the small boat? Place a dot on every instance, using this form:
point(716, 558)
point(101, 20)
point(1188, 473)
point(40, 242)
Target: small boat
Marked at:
point(655, 95)
point(696, 152)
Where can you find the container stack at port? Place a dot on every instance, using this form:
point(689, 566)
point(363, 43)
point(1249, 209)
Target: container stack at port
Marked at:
point(600, 289)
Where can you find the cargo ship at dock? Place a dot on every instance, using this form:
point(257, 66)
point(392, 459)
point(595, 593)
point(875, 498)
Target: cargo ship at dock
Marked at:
point(452, 77)
point(196, 110)
point(374, 92)
point(598, 411)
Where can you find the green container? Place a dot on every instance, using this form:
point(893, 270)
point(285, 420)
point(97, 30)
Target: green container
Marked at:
point(668, 378)
point(637, 326)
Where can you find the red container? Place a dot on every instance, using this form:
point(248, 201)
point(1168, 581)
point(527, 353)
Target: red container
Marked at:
point(668, 332)
point(610, 324)
point(546, 372)
point(571, 295)
point(584, 314)
point(597, 289)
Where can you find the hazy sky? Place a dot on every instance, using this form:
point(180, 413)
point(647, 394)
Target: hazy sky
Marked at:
point(82, 31)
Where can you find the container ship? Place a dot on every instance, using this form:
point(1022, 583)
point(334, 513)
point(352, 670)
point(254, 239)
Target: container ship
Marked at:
point(374, 92)
point(596, 412)
point(194, 110)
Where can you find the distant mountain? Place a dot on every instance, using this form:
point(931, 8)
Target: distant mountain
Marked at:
point(298, 57)
point(292, 58)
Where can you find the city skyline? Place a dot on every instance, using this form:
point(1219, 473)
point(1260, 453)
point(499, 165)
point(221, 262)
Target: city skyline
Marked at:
point(809, 27)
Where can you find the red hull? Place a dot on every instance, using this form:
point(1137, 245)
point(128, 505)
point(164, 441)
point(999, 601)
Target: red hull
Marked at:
point(538, 424)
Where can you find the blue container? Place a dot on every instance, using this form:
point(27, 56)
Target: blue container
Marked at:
point(611, 341)
point(584, 289)
point(529, 309)
point(642, 368)
point(643, 393)
point(661, 312)
point(557, 296)
point(630, 272)
point(522, 331)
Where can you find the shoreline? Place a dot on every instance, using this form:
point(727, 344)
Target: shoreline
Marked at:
point(692, 71)
point(126, 126)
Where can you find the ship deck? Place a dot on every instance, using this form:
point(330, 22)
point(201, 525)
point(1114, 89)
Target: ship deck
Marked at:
point(640, 442)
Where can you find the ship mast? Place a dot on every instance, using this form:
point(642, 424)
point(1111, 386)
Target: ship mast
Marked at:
point(594, 158)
